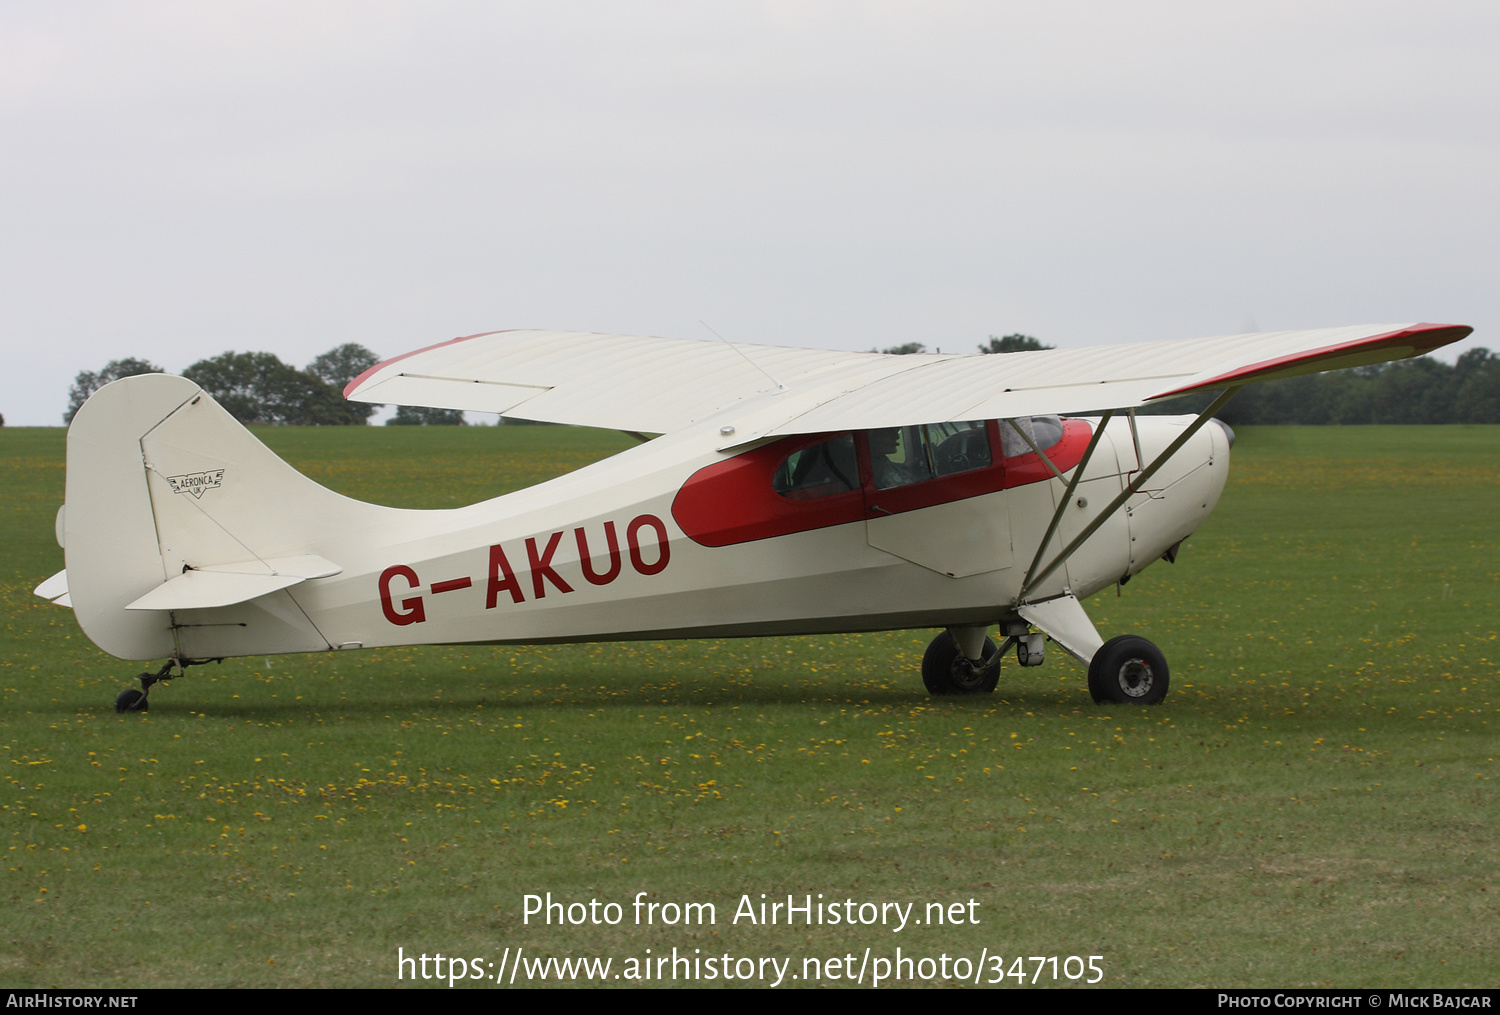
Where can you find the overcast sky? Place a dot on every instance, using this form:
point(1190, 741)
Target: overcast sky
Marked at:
point(181, 179)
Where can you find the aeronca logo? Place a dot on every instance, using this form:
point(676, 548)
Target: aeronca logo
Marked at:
point(197, 482)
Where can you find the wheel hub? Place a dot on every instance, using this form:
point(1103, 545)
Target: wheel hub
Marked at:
point(1136, 678)
point(967, 674)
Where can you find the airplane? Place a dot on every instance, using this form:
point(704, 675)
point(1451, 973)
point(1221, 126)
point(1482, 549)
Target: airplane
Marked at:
point(788, 491)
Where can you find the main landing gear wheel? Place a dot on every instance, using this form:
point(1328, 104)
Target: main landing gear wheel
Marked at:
point(1128, 671)
point(946, 671)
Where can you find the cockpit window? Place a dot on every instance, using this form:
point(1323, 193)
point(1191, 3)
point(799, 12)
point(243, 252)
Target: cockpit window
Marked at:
point(911, 454)
point(899, 456)
point(820, 470)
point(958, 447)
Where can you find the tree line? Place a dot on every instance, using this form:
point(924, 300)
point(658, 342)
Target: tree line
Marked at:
point(258, 388)
point(995, 344)
point(1420, 390)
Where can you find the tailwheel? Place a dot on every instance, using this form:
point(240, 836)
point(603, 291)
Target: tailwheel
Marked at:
point(131, 700)
point(946, 671)
point(1128, 670)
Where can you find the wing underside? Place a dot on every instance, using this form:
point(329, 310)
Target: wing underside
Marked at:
point(659, 385)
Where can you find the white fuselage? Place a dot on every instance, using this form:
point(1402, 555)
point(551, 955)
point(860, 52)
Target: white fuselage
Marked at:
point(675, 538)
point(511, 570)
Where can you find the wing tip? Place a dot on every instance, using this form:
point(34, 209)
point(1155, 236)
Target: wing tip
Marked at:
point(354, 385)
point(1427, 338)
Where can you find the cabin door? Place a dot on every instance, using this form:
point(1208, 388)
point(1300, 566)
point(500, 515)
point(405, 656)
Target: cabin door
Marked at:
point(934, 495)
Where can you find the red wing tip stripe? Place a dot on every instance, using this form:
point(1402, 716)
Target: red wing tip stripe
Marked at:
point(1420, 338)
point(349, 388)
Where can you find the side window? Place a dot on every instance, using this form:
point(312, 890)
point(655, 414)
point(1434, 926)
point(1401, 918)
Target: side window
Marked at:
point(898, 456)
point(1046, 431)
point(958, 447)
point(911, 454)
point(820, 470)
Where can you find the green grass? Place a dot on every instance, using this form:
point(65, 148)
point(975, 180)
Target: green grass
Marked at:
point(1314, 804)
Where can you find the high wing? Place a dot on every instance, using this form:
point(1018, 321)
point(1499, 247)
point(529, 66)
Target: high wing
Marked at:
point(659, 385)
point(618, 382)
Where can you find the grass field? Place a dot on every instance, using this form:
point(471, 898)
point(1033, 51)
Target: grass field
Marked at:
point(1314, 805)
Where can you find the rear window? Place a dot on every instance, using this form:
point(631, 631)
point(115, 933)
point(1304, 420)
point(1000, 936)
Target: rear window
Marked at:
point(819, 470)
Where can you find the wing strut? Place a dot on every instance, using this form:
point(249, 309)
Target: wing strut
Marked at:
point(1135, 439)
point(1130, 491)
point(1067, 497)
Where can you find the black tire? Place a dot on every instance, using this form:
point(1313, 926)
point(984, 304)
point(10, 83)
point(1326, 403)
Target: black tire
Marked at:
point(131, 700)
point(946, 671)
point(1128, 670)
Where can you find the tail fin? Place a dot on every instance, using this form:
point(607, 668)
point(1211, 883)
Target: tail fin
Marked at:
point(182, 531)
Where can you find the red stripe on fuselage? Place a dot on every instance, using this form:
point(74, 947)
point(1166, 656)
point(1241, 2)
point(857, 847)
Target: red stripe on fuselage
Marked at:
point(733, 501)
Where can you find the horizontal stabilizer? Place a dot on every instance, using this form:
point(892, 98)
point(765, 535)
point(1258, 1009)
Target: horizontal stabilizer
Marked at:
point(303, 565)
point(55, 589)
point(227, 584)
